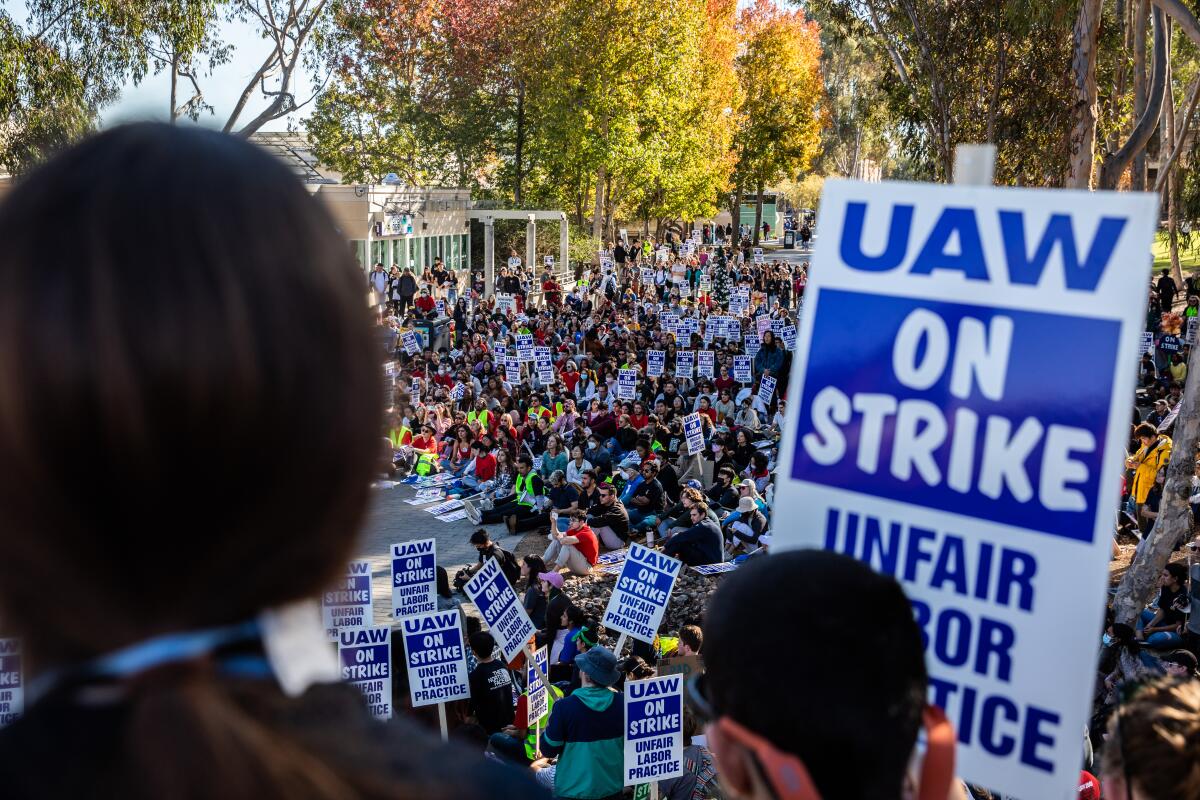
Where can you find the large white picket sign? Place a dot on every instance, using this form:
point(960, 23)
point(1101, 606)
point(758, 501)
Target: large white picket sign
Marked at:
point(962, 385)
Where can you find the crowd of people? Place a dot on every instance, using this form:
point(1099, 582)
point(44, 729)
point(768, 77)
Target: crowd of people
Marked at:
point(207, 674)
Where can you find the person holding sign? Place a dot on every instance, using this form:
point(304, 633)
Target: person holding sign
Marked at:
point(585, 732)
point(210, 677)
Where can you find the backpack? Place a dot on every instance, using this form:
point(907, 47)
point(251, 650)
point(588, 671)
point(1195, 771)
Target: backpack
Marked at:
point(509, 566)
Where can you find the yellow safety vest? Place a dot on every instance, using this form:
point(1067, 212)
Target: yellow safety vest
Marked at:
point(524, 487)
point(397, 435)
point(483, 417)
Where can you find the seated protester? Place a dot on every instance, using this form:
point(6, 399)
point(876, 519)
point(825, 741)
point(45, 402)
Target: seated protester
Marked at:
point(701, 543)
point(646, 500)
point(589, 492)
point(523, 512)
point(552, 634)
point(516, 742)
point(854, 739)
point(745, 526)
point(679, 517)
point(425, 303)
point(723, 493)
point(488, 549)
point(482, 471)
point(668, 477)
point(699, 778)
point(758, 471)
point(1153, 744)
point(425, 452)
point(586, 732)
point(609, 519)
point(597, 454)
point(491, 685)
point(563, 496)
point(574, 620)
point(577, 549)
point(536, 596)
point(1164, 627)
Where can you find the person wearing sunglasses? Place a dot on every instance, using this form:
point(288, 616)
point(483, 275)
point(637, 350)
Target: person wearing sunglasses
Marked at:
point(841, 728)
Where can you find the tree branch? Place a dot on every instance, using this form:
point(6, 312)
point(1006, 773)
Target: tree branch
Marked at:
point(1180, 134)
point(1115, 163)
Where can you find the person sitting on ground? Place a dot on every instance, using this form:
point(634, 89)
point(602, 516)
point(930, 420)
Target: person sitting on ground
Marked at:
point(586, 732)
point(743, 528)
point(723, 493)
point(523, 511)
point(854, 738)
point(679, 516)
point(701, 543)
point(646, 500)
point(1163, 627)
point(517, 742)
point(699, 778)
point(491, 685)
point(689, 642)
point(577, 549)
point(535, 598)
point(1153, 745)
point(609, 519)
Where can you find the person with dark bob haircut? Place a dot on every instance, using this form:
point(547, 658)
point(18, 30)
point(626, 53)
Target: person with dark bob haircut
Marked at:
point(190, 408)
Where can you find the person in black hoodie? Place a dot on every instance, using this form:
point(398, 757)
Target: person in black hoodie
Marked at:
point(491, 685)
point(172, 682)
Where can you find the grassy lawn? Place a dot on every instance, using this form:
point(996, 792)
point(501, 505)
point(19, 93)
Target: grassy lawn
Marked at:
point(1189, 260)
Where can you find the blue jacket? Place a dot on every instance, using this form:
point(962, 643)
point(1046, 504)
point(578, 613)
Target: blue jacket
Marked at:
point(585, 732)
point(768, 358)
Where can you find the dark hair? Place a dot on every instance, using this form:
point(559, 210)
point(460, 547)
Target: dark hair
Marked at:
point(692, 636)
point(209, 311)
point(480, 537)
point(525, 459)
point(1177, 571)
point(859, 715)
point(482, 643)
point(1145, 429)
point(536, 566)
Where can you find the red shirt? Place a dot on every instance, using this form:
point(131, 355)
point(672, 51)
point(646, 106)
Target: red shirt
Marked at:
point(425, 303)
point(587, 544)
point(639, 421)
point(724, 383)
point(569, 379)
point(485, 468)
point(426, 444)
point(709, 412)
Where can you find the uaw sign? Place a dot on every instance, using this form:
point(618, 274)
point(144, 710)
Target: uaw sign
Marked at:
point(938, 438)
point(493, 595)
point(12, 686)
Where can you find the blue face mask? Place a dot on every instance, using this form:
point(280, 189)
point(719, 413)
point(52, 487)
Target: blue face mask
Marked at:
point(1107, 640)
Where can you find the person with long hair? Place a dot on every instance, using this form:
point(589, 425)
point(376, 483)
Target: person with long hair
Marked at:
point(156, 661)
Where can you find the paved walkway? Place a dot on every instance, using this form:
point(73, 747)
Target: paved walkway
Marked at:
point(390, 521)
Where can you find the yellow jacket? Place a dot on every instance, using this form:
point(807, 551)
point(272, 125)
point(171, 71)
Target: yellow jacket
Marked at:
point(1147, 462)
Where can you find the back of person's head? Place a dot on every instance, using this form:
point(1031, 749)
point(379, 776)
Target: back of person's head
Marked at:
point(1153, 745)
point(692, 636)
point(483, 644)
point(850, 723)
point(189, 414)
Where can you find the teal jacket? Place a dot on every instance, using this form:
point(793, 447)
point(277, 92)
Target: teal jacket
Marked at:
point(585, 732)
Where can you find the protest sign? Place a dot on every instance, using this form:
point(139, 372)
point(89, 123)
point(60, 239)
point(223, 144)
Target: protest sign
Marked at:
point(788, 334)
point(753, 344)
point(525, 347)
point(741, 369)
point(706, 364)
point(506, 303)
point(1170, 343)
point(537, 701)
point(440, 305)
point(390, 369)
point(457, 392)
point(512, 368)
point(766, 390)
point(414, 577)
point(705, 284)
point(514, 262)
point(627, 384)
point(640, 595)
point(415, 387)
point(348, 605)
point(763, 324)
point(12, 682)
point(655, 362)
point(412, 345)
point(685, 363)
point(693, 433)
point(493, 595)
point(925, 440)
point(366, 658)
point(548, 261)
point(647, 276)
point(684, 666)
point(1189, 337)
point(1146, 345)
point(715, 569)
point(739, 302)
point(653, 729)
point(436, 658)
point(544, 363)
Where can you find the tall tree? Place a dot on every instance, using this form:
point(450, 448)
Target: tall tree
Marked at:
point(780, 78)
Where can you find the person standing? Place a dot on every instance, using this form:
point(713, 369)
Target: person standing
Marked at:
point(586, 732)
point(491, 685)
point(408, 290)
point(1166, 290)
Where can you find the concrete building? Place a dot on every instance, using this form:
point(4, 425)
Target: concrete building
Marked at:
point(387, 223)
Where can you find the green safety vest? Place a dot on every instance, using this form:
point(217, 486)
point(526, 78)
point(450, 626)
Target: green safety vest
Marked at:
point(484, 417)
point(523, 486)
point(397, 435)
point(553, 694)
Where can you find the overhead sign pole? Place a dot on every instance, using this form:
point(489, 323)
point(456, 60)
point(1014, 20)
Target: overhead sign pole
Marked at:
point(969, 437)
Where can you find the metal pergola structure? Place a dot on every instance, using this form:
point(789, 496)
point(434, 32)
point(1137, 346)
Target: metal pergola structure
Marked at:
point(489, 216)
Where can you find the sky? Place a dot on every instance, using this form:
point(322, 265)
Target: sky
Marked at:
point(149, 100)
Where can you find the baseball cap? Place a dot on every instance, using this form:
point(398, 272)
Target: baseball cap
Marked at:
point(555, 579)
point(694, 484)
